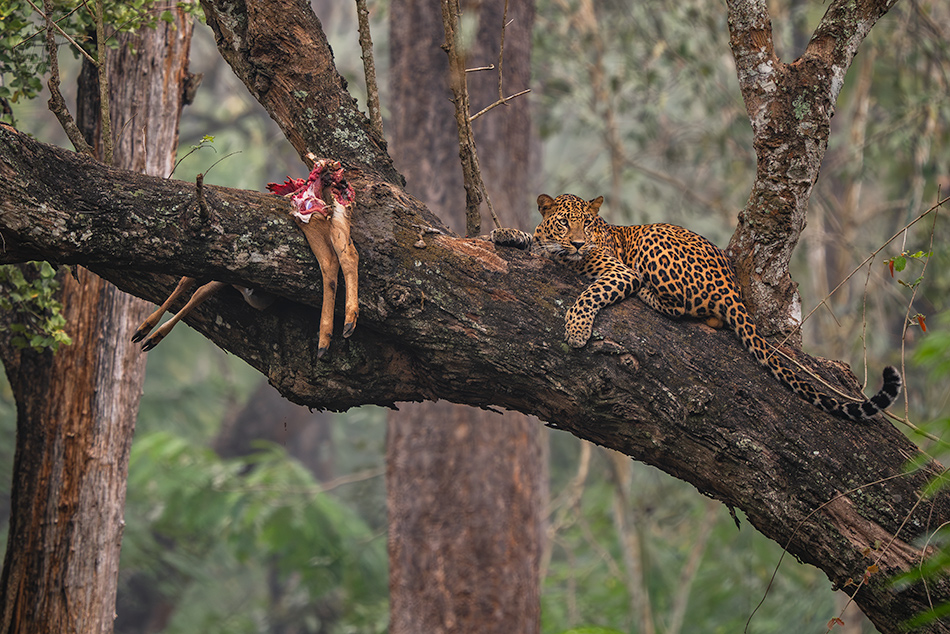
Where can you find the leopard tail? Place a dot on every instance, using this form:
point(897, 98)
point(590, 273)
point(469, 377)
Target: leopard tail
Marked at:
point(743, 326)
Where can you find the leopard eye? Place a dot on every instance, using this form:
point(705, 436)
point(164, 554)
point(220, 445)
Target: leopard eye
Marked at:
point(563, 222)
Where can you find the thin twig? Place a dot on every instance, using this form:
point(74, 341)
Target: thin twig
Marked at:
point(479, 68)
point(801, 523)
point(502, 101)
point(917, 430)
point(317, 489)
point(203, 212)
point(867, 260)
point(369, 68)
point(910, 305)
point(221, 159)
point(883, 551)
point(776, 348)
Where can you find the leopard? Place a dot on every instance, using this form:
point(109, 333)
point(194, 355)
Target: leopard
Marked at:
point(672, 270)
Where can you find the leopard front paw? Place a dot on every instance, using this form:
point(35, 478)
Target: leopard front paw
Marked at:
point(577, 328)
point(507, 237)
point(575, 340)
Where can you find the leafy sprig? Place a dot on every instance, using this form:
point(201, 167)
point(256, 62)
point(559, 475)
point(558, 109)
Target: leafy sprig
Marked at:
point(37, 320)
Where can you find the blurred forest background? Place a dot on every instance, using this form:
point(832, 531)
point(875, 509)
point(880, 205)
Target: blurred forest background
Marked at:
point(248, 514)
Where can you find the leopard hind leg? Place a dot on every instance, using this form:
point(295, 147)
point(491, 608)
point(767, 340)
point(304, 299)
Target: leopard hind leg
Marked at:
point(673, 307)
point(654, 300)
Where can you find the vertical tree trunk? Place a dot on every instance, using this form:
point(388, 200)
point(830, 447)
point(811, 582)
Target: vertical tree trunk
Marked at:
point(76, 409)
point(464, 485)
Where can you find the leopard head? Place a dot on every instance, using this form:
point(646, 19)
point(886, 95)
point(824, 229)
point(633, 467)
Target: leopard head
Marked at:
point(567, 224)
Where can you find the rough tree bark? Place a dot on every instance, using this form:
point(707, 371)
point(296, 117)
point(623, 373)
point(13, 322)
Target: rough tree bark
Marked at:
point(76, 409)
point(459, 321)
point(463, 484)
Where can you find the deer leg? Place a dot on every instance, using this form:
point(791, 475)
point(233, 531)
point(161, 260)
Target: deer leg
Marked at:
point(184, 285)
point(316, 232)
point(203, 293)
point(349, 262)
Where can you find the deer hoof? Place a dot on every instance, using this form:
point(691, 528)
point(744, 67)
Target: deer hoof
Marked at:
point(321, 351)
point(151, 342)
point(141, 333)
point(348, 328)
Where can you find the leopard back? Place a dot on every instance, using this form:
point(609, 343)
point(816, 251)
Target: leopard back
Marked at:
point(676, 272)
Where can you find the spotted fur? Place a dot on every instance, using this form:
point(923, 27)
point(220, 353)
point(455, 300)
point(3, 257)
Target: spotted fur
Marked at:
point(672, 270)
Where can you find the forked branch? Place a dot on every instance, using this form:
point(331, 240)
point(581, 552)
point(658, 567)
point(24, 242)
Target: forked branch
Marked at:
point(57, 104)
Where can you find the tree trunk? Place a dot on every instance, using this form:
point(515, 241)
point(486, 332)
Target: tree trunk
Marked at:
point(76, 409)
point(463, 484)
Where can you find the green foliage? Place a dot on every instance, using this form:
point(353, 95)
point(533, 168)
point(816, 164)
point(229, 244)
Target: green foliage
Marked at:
point(248, 544)
point(241, 513)
point(20, 65)
point(37, 321)
point(898, 263)
point(213, 534)
point(933, 357)
point(23, 58)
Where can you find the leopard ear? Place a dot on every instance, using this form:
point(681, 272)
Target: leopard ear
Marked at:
point(594, 205)
point(545, 204)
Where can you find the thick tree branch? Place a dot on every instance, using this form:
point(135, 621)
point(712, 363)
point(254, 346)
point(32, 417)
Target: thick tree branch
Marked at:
point(278, 49)
point(460, 321)
point(840, 33)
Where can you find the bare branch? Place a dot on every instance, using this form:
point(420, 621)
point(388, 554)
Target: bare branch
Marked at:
point(369, 68)
point(500, 102)
point(471, 173)
point(840, 32)
point(790, 108)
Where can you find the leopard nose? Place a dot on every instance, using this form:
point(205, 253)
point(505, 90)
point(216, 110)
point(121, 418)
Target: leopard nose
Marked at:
point(577, 244)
